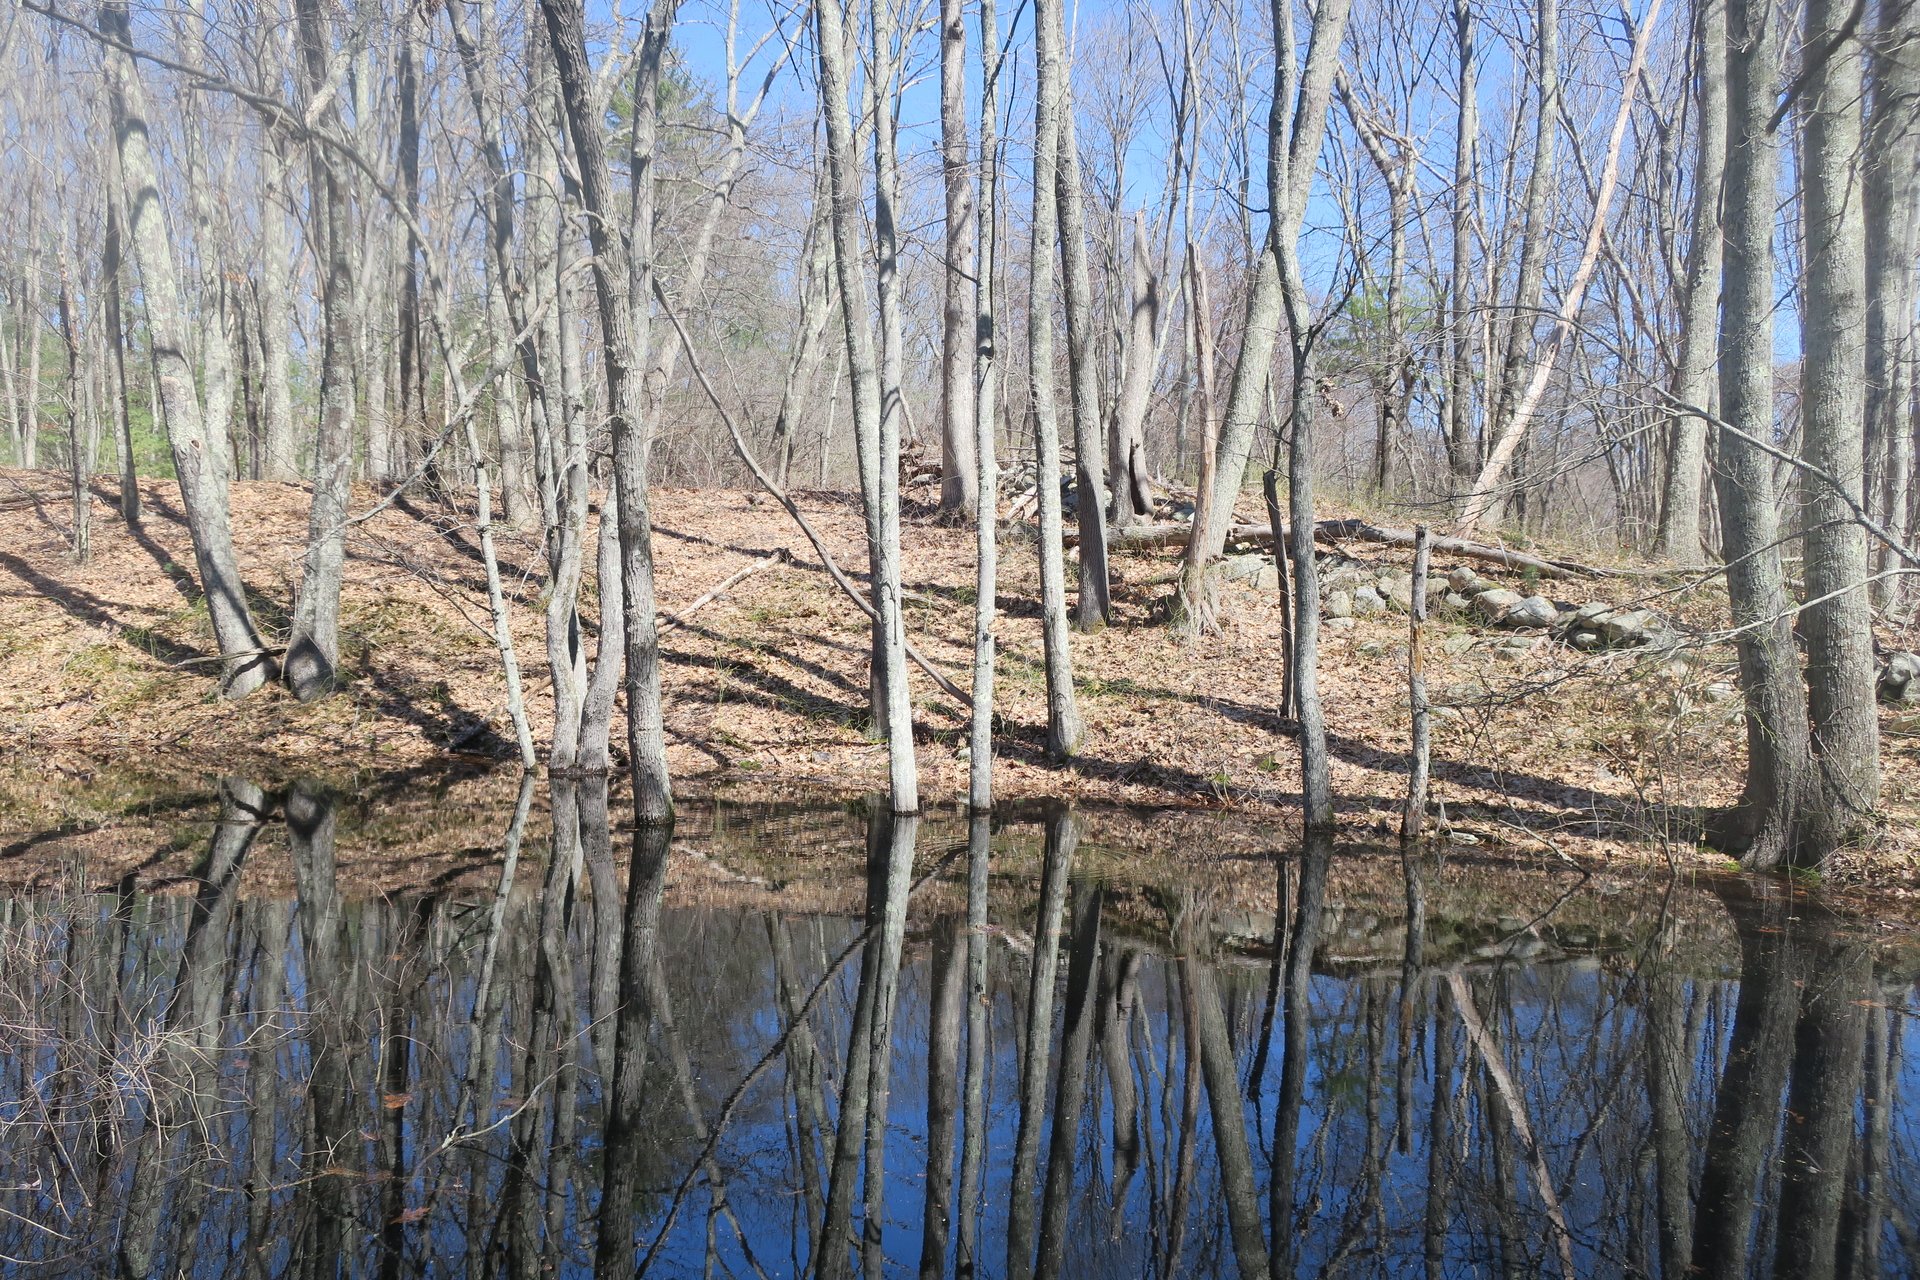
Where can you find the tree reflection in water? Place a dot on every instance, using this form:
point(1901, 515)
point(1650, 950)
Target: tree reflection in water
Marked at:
point(1032, 1075)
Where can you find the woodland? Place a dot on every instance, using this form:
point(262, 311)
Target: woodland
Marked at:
point(1145, 326)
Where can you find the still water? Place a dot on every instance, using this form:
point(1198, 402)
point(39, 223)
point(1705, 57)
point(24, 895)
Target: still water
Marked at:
point(1005, 1065)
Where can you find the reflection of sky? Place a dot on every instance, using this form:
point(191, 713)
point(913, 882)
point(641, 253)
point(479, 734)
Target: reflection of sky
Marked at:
point(1571, 1036)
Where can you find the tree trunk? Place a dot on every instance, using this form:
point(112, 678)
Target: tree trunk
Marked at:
point(987, 485)
point(1296, 127)
point(313, 648)
point(1095, 605)
point(1679, 533)
point(878, 465)
point(1505, 393)
point(1127, 443)
point(79, 457)
point(275, 298)
point(118, 390)
point(201, 471)
point(412, 353)
point(1463, 451)
point(1064, 731)
point(1891, 164)
point(624, 358)
point(959, 485)
point(1766, 823)
point(1838, 621)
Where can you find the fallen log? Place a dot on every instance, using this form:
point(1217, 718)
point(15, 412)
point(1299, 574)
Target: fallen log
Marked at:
point(1157, 537)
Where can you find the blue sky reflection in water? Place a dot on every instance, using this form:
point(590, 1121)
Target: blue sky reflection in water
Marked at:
point(215, 1081)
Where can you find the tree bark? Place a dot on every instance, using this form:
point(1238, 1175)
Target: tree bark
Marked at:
point(1064, 730)
point(1531, 281)
point(313, 647)
point(875, 432)
point(1680, 509)
point(1127, 444)
point(985, 445)
point(959, 483)
point(624, 359)
point(112, 256)
point(1891, 165)
point(1296, 127)
point(1095, 607)
point(1463, 451)
point(1838, 620)
point(200, 469)
point(1766, 823)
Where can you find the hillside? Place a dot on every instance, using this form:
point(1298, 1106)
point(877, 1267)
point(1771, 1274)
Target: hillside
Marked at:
point(1539, 746)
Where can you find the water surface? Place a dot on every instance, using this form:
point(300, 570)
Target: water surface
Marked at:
point(988, 1058)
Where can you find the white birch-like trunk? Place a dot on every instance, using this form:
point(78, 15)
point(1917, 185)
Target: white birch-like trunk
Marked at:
point(202, 475)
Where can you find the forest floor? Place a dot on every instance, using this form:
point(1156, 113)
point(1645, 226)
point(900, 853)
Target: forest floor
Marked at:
point(1539, 750)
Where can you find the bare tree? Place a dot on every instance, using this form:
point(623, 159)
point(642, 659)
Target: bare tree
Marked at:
point(1838, 620)
point(1680, 510)
point(313, 648)
point(959, 486)
point(624, 358)
point(1064, 730)
point(1766, 824)
point(199, 459)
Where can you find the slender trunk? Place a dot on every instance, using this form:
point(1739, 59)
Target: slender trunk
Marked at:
point(118, 389)
point(624, 358)
point(943, 1089)
point(1462, 450)
point(1296, 127)
point(1127, 443)
point(1838, 621)
point(313, 648)
point(1680, 509)
point(79, 458)
point(1095, 606)
point(985, 426)
point(1531, 282)
point(1197, 601)
point(1892, 205)
point(875, 425)
point(202, 473)
point(1766, 824)
point(1064, 730)
point(959, 481)
point(275, 299)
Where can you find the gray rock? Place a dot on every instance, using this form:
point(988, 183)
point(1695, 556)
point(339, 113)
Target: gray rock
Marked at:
point(1466, 582)
point(1900, 681)
point(1628, 628)
point(1398, 591)
point(1338, 604)
point(1366, 600)
point(1454, 602)
point(1586, 641)
point(1337, 624)
point(1494, 604)
point(1268, 579)
point(1344, 578)
point(1243, 568)
point(1534, 611)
